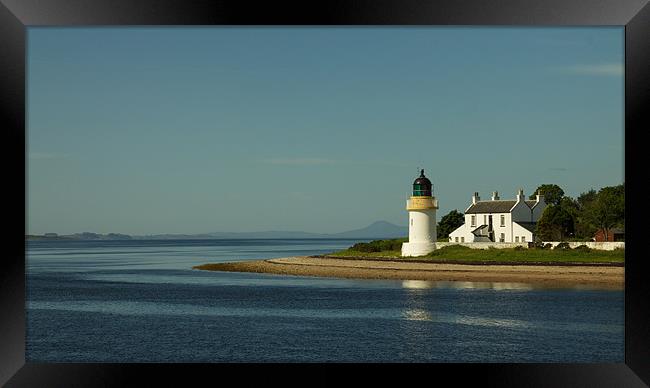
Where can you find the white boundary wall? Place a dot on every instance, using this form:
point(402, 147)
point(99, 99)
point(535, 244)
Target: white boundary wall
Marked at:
point(605, 245)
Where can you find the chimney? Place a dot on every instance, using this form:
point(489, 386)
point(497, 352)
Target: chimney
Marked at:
point(540, 197)
point(520, 196)
point(495, 195)
point(475, 198)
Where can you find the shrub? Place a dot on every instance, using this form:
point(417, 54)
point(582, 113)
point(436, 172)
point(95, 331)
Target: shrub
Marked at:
point(582, 248)
point(365, 247)
point(384, 245)
point(391, 245)
point(541, 245)
point(562, 246)
point(378, 246)
point(519, 248)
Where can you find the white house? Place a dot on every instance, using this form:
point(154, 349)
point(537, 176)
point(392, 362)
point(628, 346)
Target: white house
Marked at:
point(499, 220)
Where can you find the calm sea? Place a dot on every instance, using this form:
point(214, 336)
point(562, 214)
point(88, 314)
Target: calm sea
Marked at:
point(140, 301)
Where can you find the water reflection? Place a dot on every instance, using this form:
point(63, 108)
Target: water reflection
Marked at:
point(493, 322)
point(417, 284)
point(416, 315)
point(498, 286)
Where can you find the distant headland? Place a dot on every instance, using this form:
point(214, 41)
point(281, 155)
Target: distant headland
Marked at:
point(379, 229)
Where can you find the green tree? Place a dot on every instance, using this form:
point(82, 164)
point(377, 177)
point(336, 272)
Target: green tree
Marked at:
point(557, 222)
point(569, 204)
point(584, 226)
point(608, 209)
point(552, 193)
point(450, 222)
point(586, 198)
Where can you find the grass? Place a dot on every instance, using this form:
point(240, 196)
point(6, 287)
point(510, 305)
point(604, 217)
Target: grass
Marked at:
point(462, 254)
point(457, 252)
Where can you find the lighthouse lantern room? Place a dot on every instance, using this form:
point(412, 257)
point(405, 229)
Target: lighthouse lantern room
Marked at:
point(422, 207)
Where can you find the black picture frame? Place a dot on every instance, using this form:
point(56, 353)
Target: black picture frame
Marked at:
point(17, 15)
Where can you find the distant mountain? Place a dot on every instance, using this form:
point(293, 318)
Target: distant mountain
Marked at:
point(376, 230)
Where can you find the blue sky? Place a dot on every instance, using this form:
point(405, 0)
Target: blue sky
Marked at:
point(191, 130)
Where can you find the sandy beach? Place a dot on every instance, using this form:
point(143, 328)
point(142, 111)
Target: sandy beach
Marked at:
point(552, 276)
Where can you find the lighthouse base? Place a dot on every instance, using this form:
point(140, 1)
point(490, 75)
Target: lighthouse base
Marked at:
point(417, 248)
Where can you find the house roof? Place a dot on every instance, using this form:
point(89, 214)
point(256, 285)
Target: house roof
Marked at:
point(491, 207)
point(498, 206)
point(531, 203)
point(529, 226)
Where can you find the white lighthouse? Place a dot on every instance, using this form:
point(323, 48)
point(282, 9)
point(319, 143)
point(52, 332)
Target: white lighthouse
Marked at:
point(422, 219)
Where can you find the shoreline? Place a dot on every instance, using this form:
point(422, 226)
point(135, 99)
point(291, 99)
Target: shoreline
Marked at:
point(447, 261)
point(599, 276)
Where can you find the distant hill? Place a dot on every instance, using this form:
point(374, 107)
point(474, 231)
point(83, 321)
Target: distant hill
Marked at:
point(376, 230)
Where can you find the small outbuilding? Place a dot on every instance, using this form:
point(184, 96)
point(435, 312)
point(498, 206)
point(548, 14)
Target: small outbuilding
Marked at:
point(614, 234)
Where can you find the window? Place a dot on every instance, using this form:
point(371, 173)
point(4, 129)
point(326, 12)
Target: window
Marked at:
point(503, 220)
point(516, 238)
point(417, 190)
point(462, 239)
point(502, 238)
point(473, 220)
point(523, 238)
point(456, 239)
point(411, 221)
